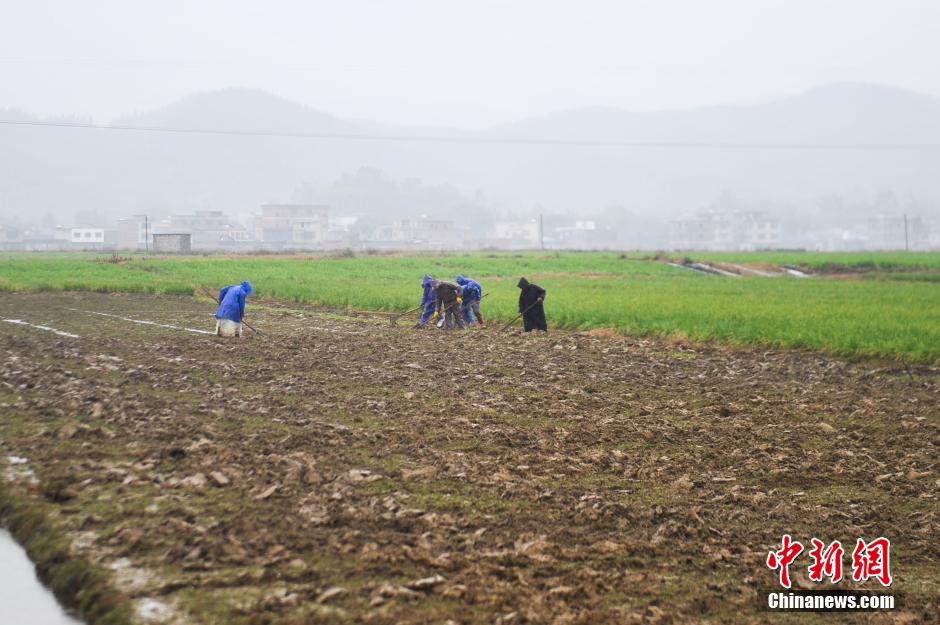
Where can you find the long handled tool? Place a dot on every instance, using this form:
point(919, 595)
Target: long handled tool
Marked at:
point(212, 296)
point(443, 319)
point(393, 320)
point(506, 327)
point(446, 310)
point(206, 293)
point(480, 322)
point(255, 330)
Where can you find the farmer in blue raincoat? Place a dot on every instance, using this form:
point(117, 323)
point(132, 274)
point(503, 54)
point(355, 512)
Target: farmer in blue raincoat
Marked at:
point(427, 299)
point(231, 309)
point(472, 293)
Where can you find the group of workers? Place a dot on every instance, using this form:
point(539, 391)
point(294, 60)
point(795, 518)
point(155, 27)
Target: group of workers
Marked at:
point(457, 304)
point(454, 304)
point(451, 304)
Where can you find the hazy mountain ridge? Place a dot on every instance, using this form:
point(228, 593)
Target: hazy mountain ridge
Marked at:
point(850, 112)
point(847, 113)
point(65, 171)
point(238, 109)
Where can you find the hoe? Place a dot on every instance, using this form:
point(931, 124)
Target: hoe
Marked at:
point(211, 296)
point(393, 320)
point(442, 320)
point(506, 327)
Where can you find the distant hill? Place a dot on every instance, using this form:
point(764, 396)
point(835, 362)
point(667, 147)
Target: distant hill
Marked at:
point(244, 109)
point(65, 171)
point(845, 113)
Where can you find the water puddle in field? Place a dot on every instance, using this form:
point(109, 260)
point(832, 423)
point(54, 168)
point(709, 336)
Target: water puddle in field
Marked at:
point(22, 598)
point(706, 269)
point(793, 271)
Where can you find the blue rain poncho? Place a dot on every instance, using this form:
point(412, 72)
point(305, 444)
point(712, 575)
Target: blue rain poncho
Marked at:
point(427, 298)
point(471, 288)
point(232, 301)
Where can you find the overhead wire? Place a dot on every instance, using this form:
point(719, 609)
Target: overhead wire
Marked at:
point(489, 140)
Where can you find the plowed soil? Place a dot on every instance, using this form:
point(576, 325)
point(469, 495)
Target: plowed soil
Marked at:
point(340, 469)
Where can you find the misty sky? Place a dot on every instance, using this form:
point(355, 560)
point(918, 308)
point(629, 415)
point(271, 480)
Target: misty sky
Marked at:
point(457, 63)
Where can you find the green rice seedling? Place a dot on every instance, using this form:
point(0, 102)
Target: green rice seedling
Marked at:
point(890, 315)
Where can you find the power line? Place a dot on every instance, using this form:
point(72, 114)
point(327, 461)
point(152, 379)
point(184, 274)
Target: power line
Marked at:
point(349, 136)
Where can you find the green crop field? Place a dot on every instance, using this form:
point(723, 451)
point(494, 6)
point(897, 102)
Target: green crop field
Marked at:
point(892, 317)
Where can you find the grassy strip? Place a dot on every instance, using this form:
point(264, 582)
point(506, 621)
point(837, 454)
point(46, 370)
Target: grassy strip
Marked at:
point(76, 583)
point(882, 318)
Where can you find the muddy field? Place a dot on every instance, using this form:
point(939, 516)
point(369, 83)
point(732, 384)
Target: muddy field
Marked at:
point(340, 469)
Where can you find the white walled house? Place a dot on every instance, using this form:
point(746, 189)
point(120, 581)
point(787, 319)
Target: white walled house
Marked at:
point(725, 231)
point(87, 236)
point(291, 225)
point(524, 234)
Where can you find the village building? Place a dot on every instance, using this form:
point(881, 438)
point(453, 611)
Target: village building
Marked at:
point(292, 225)
point(422, 233)
point(172, 243)
point(131, 232)
point(898, 232)
point(210, 229)
point(725, 231)
point(516, 234)
point(87, 237)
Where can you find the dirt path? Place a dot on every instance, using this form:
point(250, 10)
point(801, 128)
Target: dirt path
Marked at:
point(342, 469)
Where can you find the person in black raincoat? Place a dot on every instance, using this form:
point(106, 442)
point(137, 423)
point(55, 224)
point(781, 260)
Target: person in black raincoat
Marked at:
point(531, 297)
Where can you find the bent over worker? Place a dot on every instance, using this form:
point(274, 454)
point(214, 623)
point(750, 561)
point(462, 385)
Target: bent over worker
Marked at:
point(531, 297)
point(447, 302)
point(472, 293)
point(427, 299)
point(231, 309)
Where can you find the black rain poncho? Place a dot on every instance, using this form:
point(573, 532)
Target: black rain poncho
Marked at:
point(533, 317)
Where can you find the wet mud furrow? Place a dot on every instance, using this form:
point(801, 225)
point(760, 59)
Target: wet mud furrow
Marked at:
point(340, 468)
